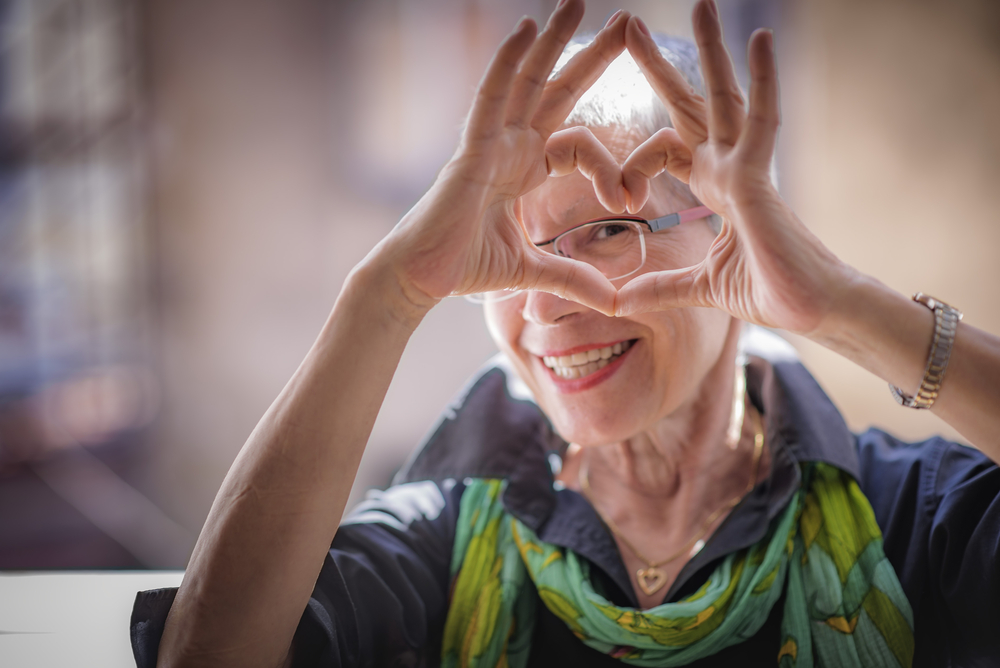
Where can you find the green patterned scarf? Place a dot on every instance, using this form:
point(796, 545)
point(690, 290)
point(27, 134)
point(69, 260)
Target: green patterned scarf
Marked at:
point(844, 605)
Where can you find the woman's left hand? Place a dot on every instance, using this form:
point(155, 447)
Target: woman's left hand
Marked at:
point(765, 267)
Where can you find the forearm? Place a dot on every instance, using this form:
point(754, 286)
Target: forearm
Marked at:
point(890, 335)
point(264, 541)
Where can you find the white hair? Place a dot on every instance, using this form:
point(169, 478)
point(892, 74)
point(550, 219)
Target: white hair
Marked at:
point(622, 97)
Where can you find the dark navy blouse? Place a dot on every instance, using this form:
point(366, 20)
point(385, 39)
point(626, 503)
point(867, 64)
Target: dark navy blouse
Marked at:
point(382, 595)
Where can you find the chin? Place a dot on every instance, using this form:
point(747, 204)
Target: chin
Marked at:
point(588, 425)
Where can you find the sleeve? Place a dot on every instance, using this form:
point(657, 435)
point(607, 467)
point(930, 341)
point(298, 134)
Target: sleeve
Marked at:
point(382, 595)
point(938, 504)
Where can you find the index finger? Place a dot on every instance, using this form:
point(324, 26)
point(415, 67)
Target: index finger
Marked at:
point(541, 58)
point(490, 105)
point(687, 108)
point(562, 92)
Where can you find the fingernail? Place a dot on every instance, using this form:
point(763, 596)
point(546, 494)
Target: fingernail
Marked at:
point(643, 28)
point(769, 40)
point(712, 8)
point(560, 3)
point(613, 17)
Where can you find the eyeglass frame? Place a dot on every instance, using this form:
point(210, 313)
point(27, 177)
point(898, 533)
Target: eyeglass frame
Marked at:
point(654, 225)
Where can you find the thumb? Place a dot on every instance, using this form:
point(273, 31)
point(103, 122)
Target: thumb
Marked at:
point(569, 279)
point(578, 149)
point(662, 290)
point(663, 151)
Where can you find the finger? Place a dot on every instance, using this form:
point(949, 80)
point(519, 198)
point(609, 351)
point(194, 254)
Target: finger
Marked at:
point(662, 290)
point(761, 131)
point(540, 59)
point(578, 149)
point(663, 151)
point(688, 112)
point(570, 279)
point(725, 100)
point(490, 106)
point(562, 92)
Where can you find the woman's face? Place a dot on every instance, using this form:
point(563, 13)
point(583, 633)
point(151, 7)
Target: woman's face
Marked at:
point(665, 354)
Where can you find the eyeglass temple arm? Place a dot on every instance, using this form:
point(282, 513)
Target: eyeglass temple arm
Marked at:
point(675, 219)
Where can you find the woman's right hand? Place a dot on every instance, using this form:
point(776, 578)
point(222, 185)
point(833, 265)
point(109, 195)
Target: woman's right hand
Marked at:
point(465, 234)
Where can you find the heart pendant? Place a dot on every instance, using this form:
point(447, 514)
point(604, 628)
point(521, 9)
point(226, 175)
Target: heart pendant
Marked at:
point(650, 579)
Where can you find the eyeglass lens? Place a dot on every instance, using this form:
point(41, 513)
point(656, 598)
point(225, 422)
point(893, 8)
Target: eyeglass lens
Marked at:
point(616, 248)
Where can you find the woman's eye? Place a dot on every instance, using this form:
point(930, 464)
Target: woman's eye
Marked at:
point(610, 230)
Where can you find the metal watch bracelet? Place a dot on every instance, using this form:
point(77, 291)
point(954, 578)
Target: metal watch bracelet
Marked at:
point(946, 319)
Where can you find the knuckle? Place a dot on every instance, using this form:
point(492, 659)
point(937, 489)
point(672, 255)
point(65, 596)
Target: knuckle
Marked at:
point(489, 97)
point(769, 121)
point(580, 134)
point(731, 94)
point(663, 136)
point(532, 78)
point(559, 87)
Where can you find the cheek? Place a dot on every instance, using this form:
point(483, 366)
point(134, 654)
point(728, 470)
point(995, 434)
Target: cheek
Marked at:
point(686, 344)
point(679, 247)
point(504, 323)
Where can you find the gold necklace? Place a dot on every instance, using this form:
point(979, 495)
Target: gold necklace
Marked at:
point(652, 578)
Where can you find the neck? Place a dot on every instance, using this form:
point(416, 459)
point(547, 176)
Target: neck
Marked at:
point(682, 469)
point(664, 491)
point(690, 446)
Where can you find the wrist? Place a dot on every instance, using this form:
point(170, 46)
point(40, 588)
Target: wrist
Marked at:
point(879, 329)
point(375, 284)
point(750, 194)
point(846, 298)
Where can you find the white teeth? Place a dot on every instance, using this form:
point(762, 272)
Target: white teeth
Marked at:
point(569, 372)
point(582, 364)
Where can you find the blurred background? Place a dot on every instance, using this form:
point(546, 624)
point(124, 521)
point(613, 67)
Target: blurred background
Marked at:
point(184, 186)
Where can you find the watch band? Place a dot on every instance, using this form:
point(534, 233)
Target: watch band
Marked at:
point(946, 319)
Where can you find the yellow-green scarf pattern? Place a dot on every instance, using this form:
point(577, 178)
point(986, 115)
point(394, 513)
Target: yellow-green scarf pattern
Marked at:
point(844, 605)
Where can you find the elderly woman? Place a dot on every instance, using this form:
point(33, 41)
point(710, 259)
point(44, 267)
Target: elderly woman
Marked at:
point(634, 482)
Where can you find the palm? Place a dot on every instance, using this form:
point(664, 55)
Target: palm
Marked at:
point(492, 254)
point(763, 287)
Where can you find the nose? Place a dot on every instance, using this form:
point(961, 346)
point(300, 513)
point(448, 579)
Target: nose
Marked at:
point(545, 308)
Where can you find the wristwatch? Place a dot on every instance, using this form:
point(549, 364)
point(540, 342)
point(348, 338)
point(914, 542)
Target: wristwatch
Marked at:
point(946, 319)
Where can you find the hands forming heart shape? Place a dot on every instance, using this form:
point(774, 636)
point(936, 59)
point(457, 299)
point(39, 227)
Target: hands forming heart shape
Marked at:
point(465, 235)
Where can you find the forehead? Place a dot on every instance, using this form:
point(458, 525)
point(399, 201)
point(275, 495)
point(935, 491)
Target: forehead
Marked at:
point(564, 201)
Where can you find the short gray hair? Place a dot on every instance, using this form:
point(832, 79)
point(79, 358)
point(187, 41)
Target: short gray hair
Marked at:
point(623, 98)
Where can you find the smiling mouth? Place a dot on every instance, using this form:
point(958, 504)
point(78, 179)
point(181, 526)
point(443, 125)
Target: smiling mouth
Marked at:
point(585, 363)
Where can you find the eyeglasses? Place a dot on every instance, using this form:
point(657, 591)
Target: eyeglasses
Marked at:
point(615, 246)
